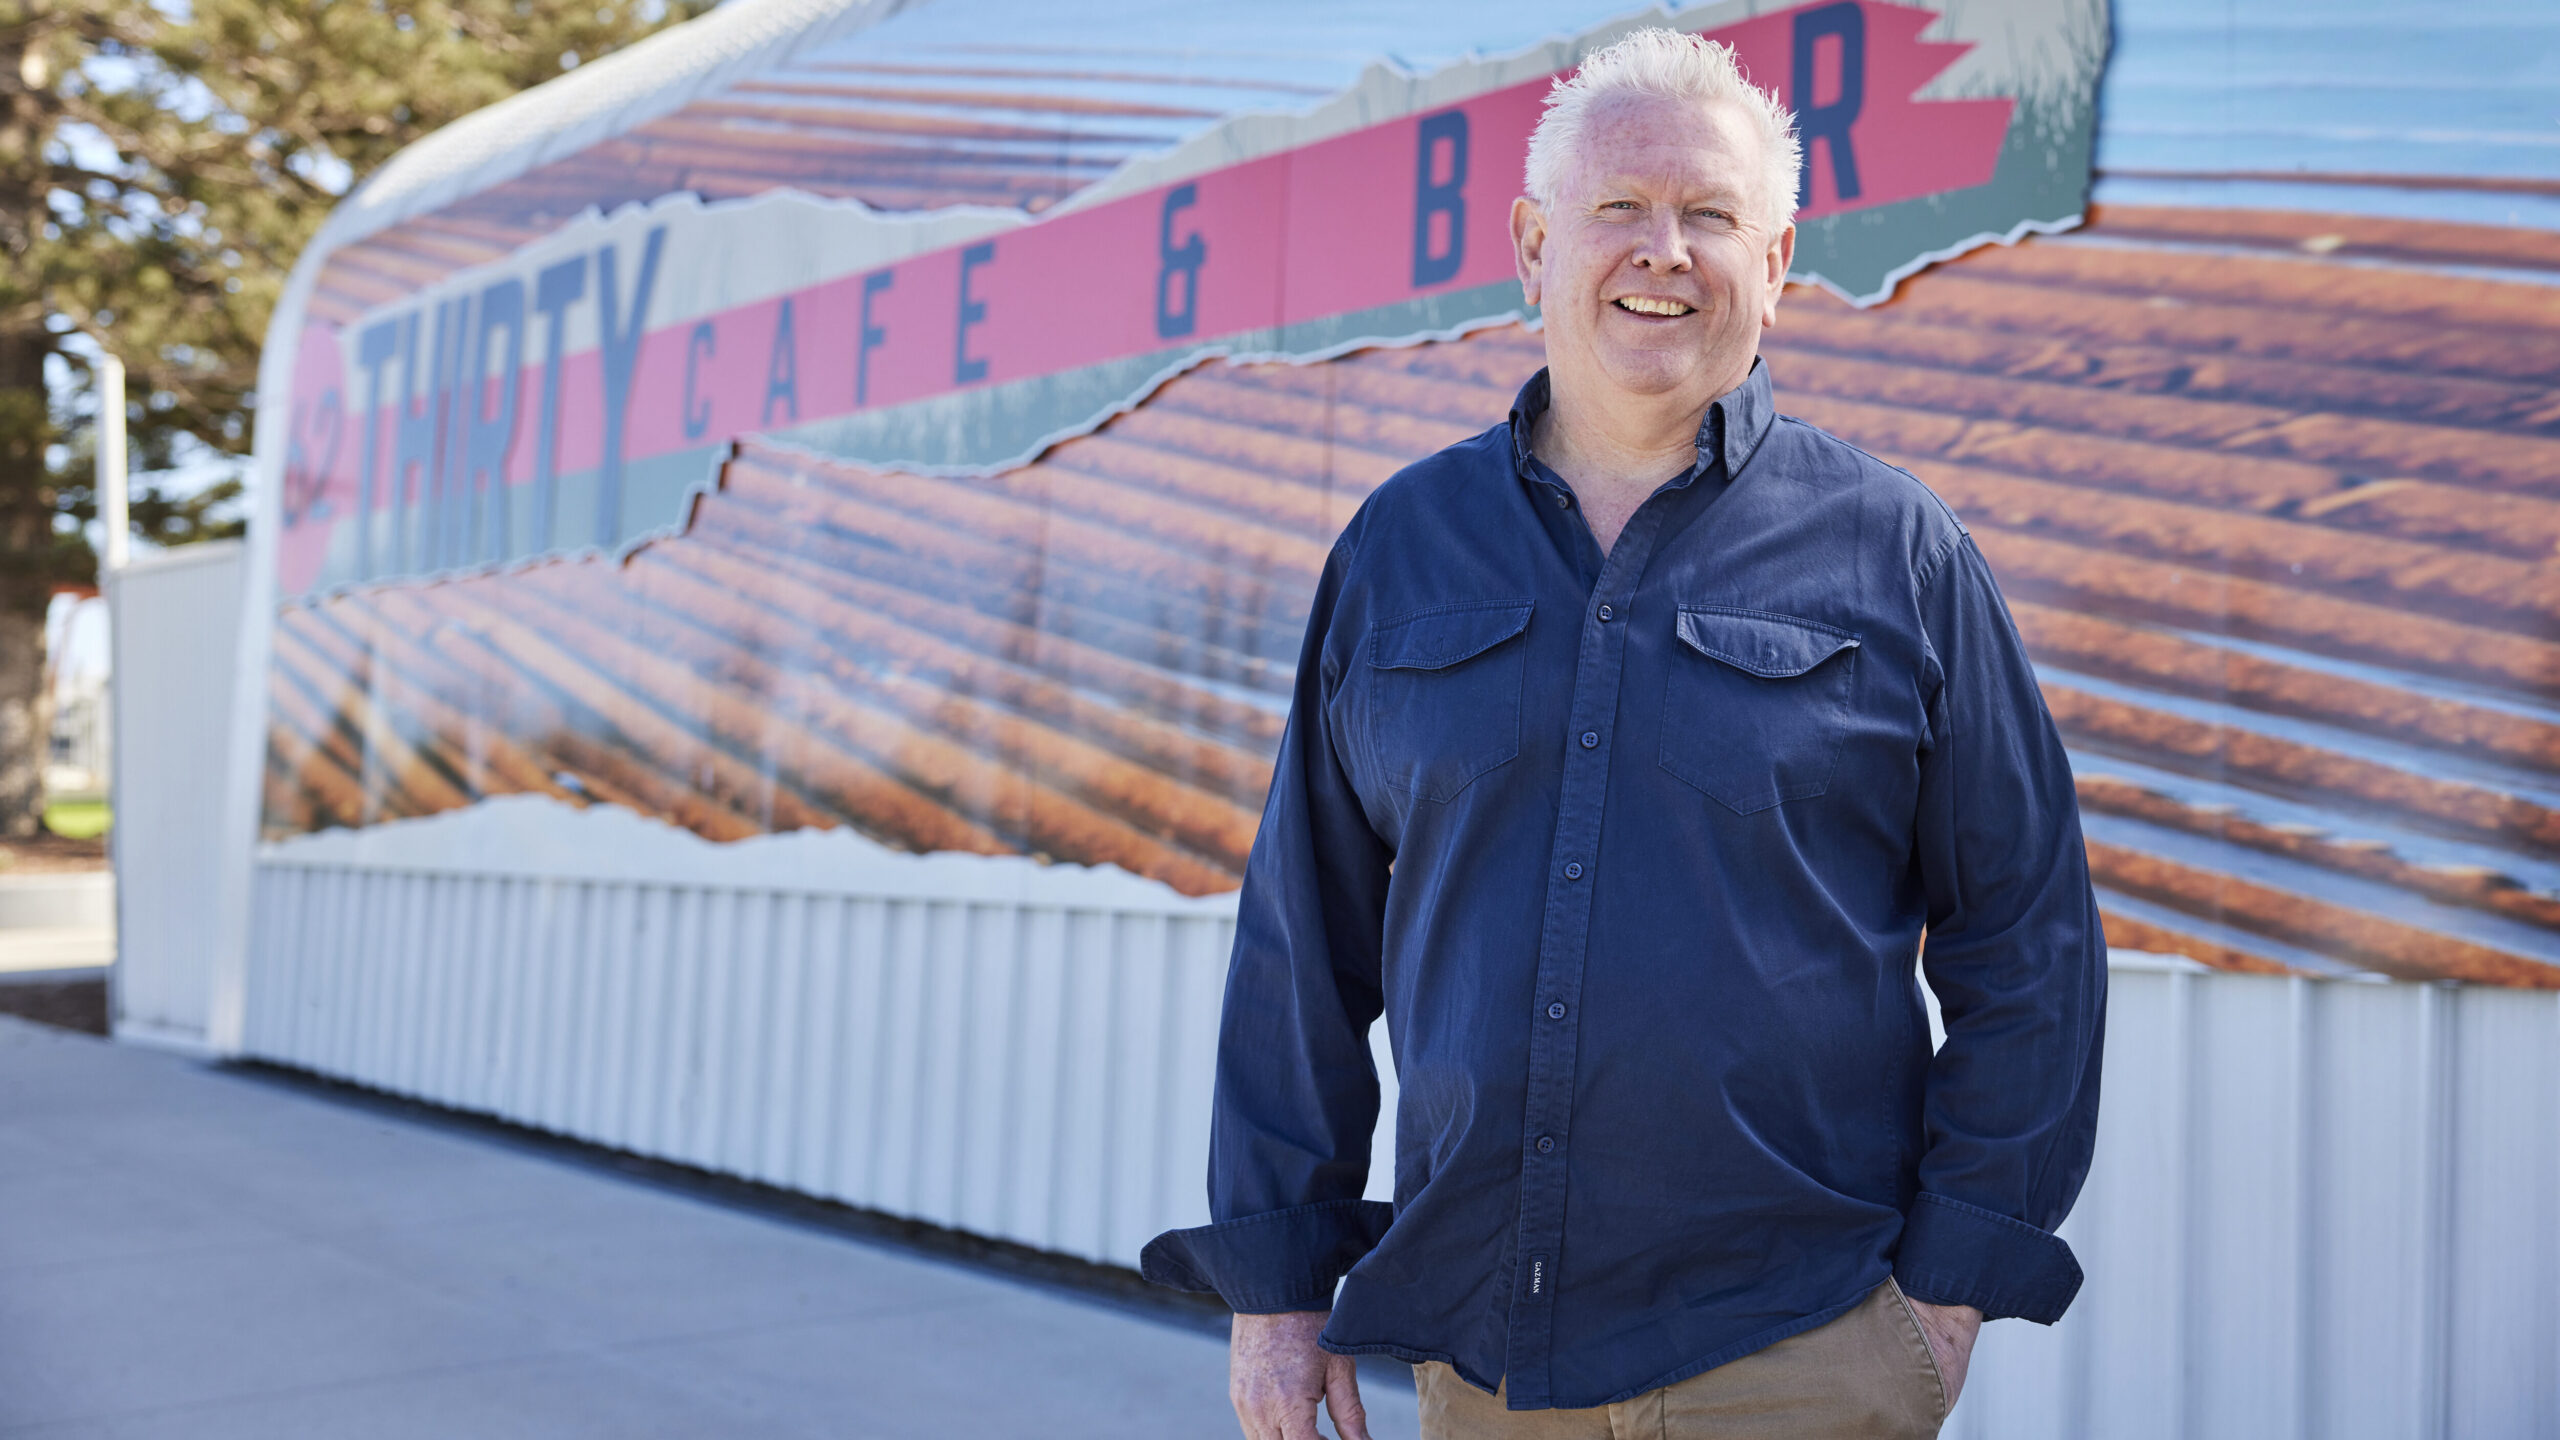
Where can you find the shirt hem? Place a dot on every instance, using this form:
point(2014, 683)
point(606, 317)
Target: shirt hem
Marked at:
point(1408, 1355)
point(1724, 1356)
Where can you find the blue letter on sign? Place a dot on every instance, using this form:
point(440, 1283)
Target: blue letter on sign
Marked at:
point(963, 368)
point(490, 437)
point(554, 291)
point(622, 331)
point(705, 340)
point(1846, 23)
point(1440, 197)
point(870, 337)
point(374, 351)
point(1183, 260)
point(782, 368)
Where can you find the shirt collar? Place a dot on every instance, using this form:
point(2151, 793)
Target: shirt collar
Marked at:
point(1732, 430)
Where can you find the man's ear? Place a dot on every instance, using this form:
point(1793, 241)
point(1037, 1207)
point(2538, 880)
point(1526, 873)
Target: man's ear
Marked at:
point(1782, 258)
point(1528, 246)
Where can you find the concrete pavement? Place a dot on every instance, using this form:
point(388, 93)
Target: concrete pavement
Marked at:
point(192, 1251)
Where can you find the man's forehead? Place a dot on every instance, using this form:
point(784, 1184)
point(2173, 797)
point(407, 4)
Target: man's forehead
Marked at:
point(1665, 116)
point(1653, 139)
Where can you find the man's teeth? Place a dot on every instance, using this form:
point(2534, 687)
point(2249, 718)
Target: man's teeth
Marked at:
point(1647, 305)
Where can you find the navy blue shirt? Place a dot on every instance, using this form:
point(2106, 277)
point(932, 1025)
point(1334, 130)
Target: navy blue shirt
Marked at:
point(1635, 854)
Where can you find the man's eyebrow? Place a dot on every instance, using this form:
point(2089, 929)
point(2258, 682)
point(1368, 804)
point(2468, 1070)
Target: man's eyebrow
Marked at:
point(1619, 185)
point(1716, 195)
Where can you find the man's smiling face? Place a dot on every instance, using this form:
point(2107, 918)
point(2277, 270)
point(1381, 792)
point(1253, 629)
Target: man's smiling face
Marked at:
point(1655, 264)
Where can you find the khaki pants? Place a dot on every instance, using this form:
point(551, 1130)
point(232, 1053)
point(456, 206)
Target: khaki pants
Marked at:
point(1867, 1375)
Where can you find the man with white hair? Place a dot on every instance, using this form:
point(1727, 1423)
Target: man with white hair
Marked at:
point(1636, 744)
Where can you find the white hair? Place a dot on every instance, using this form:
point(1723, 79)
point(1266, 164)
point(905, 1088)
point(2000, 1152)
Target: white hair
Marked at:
point(1666, 65)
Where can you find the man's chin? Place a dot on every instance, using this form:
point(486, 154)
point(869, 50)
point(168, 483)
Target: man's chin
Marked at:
point(1657, 375)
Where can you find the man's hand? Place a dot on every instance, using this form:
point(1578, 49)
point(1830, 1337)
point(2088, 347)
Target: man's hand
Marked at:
point(1950, 1331)
point(1276, 1373)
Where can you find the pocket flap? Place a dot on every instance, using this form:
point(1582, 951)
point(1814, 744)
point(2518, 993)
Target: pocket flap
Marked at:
point(1773, 647)
point(1437, 639)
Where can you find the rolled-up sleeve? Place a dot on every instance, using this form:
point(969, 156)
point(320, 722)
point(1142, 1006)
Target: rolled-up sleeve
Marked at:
point(1297, 1091)
point(2017, 959)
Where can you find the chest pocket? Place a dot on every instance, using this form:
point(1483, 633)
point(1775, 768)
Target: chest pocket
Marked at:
point(1444, 695)
point(1756, 706)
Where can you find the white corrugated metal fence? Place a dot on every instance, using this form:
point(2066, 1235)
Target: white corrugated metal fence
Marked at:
point(2320, 1208)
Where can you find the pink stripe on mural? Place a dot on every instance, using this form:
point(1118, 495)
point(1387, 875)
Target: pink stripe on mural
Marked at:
point(1386, 215)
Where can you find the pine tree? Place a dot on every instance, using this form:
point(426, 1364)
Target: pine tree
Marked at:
point(161, 165)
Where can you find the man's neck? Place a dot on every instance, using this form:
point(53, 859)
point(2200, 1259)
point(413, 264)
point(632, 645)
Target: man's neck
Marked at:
point(1615, 449)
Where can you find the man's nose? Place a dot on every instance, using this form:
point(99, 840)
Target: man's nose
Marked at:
point(1665, 250)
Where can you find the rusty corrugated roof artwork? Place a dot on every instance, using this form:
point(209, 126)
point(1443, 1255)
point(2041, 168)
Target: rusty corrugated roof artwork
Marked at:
point(2275, 497)
point(1002, 128)
point(1235, 182)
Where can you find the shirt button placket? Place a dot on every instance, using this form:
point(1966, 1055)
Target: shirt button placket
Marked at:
point(1552, 1048)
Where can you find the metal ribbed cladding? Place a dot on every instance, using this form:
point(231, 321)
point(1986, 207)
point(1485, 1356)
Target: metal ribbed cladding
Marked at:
point(2274, 499)
point(897, 137)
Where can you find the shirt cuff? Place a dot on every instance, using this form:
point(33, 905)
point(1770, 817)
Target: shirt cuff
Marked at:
point(1958, 1254)
point(1271, 1263)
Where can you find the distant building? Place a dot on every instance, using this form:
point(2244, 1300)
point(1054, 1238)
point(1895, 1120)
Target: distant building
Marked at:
point(80, 758)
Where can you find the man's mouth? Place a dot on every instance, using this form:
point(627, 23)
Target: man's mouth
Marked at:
point(1649, 305)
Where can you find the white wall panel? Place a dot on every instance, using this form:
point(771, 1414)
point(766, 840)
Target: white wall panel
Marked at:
point(2504, 1230)
point(2319, 1208)
point(175, 620)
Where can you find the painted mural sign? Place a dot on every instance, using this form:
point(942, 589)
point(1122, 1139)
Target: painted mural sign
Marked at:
point(917, 455)
point(575, 392)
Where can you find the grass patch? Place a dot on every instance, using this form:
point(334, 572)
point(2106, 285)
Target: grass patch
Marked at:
point(78, 819)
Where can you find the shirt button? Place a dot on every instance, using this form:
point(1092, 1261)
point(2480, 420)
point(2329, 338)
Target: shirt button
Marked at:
point(1573, 869)
point(1555, 1011)
point(1607, 614)
point(1546, 1144)
point(1564, 502)
point(1590, 738)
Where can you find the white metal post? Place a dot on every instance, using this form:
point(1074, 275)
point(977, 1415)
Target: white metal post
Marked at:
point(112, 479)
point(112, 483)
